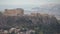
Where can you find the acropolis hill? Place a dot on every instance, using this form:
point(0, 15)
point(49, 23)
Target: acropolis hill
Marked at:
point(34, 21)
point(16, 13)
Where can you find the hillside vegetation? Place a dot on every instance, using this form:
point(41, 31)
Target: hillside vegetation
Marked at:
point(41, 24)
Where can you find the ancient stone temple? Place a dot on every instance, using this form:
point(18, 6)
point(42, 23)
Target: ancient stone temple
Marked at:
point(14, 12)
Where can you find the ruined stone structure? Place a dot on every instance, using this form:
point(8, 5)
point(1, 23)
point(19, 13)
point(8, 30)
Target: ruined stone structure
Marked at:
point(39, 14)
point(35, 14)
point(14, 12)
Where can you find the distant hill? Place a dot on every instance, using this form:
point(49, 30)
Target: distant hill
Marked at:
point(53, 9)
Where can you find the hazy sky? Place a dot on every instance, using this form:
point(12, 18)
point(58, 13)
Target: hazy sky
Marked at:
point(24, 3)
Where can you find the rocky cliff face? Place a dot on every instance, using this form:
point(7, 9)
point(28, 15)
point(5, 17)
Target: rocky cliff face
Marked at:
point(27, 20)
